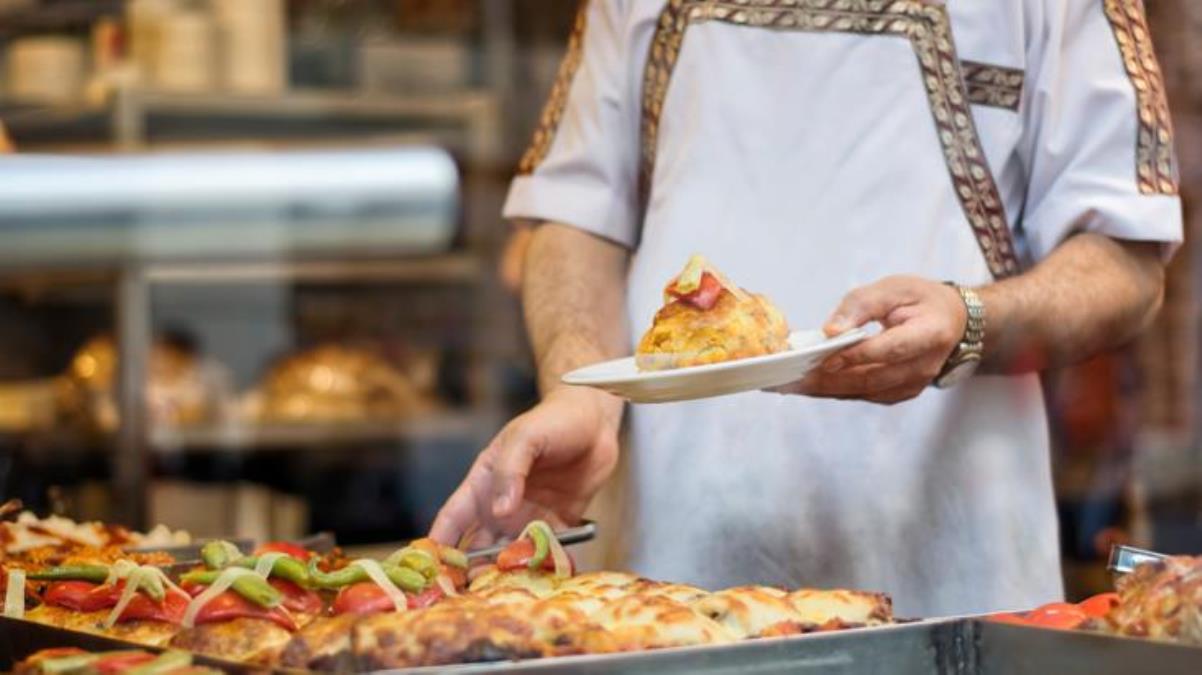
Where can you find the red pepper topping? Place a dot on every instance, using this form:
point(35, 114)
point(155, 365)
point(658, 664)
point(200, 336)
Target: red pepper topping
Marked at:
point(704, 297)
point(286, 547)
point(85, 596)
point(366, 597)
point(229, 606)
point(297, 599)
point(518, 554)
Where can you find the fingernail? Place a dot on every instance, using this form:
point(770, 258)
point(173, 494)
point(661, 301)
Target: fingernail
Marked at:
point(504, 501)
point(834, 365)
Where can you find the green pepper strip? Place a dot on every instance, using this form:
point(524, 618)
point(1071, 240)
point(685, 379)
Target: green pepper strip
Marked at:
point(165, 663)
point(252, 587)
point(405, 578)
point(415, 559)
point(542, 546)
point(218, 554)
point(285, 568)
point(96, 573)
point(453, 557)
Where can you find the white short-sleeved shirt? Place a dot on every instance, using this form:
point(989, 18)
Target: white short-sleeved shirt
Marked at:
point(811, 146)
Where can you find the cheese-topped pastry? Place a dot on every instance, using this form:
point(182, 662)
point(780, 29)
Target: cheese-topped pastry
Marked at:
point(707, 319)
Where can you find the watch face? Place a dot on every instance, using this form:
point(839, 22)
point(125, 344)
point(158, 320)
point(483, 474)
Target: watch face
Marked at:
point(960, 372)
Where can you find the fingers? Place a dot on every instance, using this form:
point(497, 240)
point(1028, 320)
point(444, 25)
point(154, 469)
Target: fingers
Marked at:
point(896, 345)
point(461, 513)
point(866, 381)
point(868, 303)
point(512, 455)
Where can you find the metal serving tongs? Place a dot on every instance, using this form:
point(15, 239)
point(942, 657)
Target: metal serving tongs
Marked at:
point(1124, 559)
point(571, 535)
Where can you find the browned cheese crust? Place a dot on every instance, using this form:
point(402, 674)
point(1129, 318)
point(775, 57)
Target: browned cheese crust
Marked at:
point(257, 641)
point(683, 335)
point(324, 645)
point(437, 636)
point(152, 633)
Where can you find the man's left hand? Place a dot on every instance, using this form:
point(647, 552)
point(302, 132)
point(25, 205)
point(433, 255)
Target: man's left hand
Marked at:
point(921, 320)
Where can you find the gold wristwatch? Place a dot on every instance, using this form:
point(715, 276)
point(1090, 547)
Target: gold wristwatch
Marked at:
point(966, 356)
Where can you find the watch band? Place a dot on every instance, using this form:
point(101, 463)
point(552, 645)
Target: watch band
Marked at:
point(964, 358)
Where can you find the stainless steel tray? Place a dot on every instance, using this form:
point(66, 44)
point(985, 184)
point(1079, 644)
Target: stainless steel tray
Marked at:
point(937, 647)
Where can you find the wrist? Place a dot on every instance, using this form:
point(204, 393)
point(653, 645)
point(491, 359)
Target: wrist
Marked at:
point(607, 407)
point(965, 355)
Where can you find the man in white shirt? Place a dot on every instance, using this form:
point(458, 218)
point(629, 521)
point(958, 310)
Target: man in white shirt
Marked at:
point(1021, 150)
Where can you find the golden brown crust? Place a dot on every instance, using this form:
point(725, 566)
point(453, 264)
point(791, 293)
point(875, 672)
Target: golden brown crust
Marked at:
point(683, 335)
point(440, 635)
point(323, 645)
point(751, 612)
point(256, 641)
point(656, 622)
point(841, 608)
point(151, 633)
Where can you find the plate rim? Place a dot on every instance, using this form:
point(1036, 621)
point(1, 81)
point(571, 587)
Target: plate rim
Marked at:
point(842, 340)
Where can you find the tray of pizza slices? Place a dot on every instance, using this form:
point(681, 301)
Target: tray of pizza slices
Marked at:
point(426, 607)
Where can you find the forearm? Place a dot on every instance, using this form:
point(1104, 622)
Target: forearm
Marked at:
point(1091, 294)
point(573, 294)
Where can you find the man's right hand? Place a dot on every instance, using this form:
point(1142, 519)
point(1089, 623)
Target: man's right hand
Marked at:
point(546, 463)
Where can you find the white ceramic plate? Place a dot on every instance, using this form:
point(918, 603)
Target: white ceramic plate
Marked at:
point(621, 377)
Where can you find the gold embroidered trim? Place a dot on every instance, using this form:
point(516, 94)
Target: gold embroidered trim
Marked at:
point(548, 123)
point(1155, 162)
point(991, 85)
point(928, 28)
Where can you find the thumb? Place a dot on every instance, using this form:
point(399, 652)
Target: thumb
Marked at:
point(514, 456)
point(863, 305)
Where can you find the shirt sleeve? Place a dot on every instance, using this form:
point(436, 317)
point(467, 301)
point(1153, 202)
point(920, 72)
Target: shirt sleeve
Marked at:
point(1097, 139)
point(581, 167)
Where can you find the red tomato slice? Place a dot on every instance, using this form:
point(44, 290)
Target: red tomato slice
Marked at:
point(517, 555)
point(706, 294)
point(1060, 615)
point(229, 606)
point(364, 597)
point(81, 596)
point(297, 599)
point(118, 662)
point(426, 598)
point(1099, 605)
point(286, 547)
point(85, 596)
point(170, 610)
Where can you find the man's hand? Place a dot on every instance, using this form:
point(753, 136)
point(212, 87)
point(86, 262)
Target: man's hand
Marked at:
point(547, 463)
point(922, 322)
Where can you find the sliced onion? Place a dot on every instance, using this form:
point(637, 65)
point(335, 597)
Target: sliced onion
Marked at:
point(119, 570)
point(14, 596)
point(446, 585)
point(267, 562)
point(222, 583)
point(376, 572)
point(132, 582)
point(563, 564)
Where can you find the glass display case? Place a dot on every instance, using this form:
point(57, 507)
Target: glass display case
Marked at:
point(261, 343)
